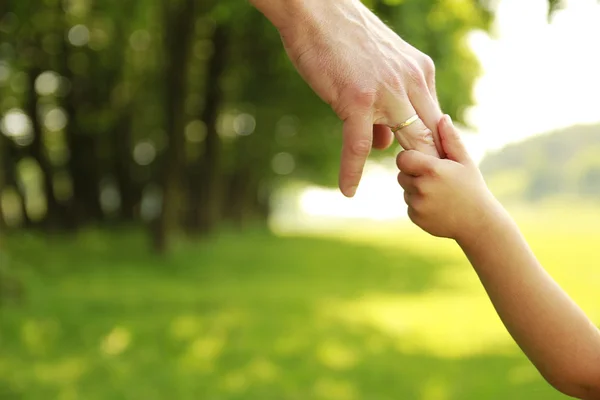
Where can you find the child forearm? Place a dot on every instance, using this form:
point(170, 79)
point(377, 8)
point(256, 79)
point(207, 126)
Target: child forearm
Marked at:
point(548, 326)
point(449, 198)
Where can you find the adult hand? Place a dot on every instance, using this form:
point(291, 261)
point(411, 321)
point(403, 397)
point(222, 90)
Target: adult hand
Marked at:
point(371, 77)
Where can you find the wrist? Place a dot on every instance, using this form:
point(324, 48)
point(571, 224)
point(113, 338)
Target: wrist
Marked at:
point(284, 14)
point(297, 20)
point(490, 219)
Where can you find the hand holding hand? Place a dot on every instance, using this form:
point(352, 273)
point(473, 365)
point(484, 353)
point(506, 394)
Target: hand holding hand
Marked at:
point(447, 198)
point(371, 78)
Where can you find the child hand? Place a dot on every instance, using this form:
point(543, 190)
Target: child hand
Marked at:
point(448, 197)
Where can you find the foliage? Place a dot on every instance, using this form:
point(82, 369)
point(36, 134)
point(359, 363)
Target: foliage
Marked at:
point(562, 163)
point(180, 114)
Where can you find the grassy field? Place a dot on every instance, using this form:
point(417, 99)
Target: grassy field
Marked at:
point(386, 314)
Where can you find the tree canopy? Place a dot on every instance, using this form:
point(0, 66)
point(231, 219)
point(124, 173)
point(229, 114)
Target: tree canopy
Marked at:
point(180, 115)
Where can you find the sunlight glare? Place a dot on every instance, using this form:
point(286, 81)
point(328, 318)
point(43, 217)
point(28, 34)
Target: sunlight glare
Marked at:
point(379, 197)
point(538, 76)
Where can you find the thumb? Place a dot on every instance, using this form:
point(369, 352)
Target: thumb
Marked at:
point(451, 142)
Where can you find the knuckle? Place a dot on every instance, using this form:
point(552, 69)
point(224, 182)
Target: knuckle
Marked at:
point(423, 134)
point(342, 108)
point(395, 83)
point(362, 147)
point(416, 75)
point(351, 177)
point(428, 66)
point(433, 170)
point(421, 187)
point(354, 99)
point(363, 98)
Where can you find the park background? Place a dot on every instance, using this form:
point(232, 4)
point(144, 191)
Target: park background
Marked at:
point(170, 227)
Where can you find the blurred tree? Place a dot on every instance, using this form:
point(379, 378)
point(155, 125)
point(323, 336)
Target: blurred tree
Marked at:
point(3, 156)
point(565, 163)
point(206, 173)
point(181, 113)
point(178, 24)
point(439, 29)
point(554, 5)
point(80, 102)
point(2, 185)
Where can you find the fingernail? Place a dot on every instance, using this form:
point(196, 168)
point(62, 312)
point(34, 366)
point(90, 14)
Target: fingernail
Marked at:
point(448, 119)
point(352, 191)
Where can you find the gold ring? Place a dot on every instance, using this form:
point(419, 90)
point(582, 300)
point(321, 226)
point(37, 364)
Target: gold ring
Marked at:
point(405, 123)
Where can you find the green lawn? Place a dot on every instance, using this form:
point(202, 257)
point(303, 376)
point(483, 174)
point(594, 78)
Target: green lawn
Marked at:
point(389, 315)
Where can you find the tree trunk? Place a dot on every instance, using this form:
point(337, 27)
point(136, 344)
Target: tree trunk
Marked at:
point(205, 186)
point(54, 214)
point(121, 134)
point(128, 189)
point(239, 195)
point(83, 169)
point(11, 178)
point(3, 157)
point(244, 202)
point(179, 28)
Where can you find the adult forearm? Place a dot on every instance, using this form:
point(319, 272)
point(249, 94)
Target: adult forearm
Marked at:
point(548, 326)
point(309, 17)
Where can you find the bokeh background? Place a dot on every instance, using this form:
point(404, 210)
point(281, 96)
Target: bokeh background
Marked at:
point(170, 227)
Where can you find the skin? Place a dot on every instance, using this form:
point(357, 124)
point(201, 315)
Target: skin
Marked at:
point(449, 198)
point(370, 77)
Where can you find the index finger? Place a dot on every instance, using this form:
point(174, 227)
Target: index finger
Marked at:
point(429, 111)
point(358, 140)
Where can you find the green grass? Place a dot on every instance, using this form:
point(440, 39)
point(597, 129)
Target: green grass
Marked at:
point(392, 314)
